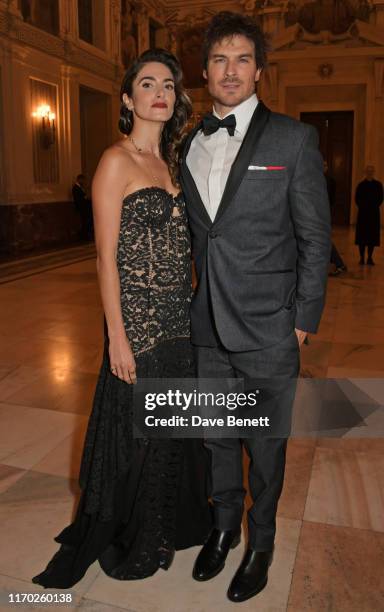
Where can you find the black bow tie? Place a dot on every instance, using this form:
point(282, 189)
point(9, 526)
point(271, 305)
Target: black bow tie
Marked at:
point(211, 124)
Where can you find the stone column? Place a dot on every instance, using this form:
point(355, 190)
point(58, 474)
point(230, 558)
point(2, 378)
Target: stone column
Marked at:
point(379, 9)
point(379, 78)
point(269, 90)
point(378, 135)
point(68, 11)
point(71, 133)
point(115, 31)
point(271, 20)
point(142, 28)
point(17, 135)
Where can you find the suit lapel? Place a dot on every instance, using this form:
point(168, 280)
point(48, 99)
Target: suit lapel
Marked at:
point(188, 184)
point(240, 165)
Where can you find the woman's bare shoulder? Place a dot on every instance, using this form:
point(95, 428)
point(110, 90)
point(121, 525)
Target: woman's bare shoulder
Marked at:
point(117, 155)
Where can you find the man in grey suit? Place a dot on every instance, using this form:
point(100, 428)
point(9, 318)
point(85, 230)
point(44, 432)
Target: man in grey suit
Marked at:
point(259, 217)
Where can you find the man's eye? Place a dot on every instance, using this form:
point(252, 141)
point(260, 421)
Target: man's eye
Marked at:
point(244, 59)
point(147, 84)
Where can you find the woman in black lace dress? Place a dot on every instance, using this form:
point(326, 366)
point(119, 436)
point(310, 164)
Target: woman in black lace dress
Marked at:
point(141, 499)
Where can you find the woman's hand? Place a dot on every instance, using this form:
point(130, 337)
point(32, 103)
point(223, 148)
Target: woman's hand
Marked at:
point(301, 336)
point(122, 360)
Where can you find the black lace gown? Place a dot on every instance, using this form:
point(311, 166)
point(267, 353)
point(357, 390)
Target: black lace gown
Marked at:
point(141, 499)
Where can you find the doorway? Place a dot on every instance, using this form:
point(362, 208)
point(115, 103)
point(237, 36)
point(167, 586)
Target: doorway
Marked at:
point(336, 145)
point(95, 128)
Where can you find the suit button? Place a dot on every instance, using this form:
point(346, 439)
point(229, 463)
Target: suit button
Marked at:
point(213, 234)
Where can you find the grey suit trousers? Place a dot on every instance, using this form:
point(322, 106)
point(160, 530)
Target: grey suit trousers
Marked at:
point(266, 454)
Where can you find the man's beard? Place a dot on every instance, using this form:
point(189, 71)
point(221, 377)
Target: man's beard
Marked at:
point(225, 98)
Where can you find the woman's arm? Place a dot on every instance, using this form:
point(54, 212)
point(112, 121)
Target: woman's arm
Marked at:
point(108, 189)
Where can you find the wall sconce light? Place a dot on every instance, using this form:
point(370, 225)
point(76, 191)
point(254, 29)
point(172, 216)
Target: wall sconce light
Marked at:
point(46, 126)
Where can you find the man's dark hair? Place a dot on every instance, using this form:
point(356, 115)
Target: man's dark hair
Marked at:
point(80, 177)
point(227, 24)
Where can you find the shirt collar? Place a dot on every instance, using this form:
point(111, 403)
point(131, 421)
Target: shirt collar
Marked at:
point(243, 113)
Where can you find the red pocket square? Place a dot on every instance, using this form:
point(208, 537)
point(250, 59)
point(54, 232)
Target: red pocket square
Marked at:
point(267, 167)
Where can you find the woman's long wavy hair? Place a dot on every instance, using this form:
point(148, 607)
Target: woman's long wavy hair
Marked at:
point(174, 129)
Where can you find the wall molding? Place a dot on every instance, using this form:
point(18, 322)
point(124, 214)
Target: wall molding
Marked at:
point(19, 32)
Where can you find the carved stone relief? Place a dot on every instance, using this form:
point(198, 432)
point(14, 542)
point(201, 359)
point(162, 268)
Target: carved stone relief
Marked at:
point(349, 23)
point(335, 16)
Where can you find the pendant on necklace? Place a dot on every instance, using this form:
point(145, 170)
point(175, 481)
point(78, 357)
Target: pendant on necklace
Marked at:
point(139, 150)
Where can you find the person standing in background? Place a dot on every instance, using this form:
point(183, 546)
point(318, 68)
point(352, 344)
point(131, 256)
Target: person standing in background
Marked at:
point(83, 206)
point(368, 197)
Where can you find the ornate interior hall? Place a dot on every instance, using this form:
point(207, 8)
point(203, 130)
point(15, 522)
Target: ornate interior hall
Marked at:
point(331, 513)
point(326, 58)
point(61, 65)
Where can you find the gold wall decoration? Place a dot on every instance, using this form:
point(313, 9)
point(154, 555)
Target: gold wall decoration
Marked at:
point(44, 140)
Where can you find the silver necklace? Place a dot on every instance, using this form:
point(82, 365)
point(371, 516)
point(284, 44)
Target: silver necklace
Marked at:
point(141, 151)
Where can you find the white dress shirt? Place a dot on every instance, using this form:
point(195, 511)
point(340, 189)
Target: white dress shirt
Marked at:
point(210, 157)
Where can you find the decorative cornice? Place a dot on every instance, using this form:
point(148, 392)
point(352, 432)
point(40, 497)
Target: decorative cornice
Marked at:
point(358, 34)
point(368, 32)
point(15, 30)
point(182, 6)
point(34, 37)
point(80, 57)
point(176, 21)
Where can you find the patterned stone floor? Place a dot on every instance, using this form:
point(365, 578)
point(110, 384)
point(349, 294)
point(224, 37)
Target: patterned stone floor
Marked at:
point(330, 532)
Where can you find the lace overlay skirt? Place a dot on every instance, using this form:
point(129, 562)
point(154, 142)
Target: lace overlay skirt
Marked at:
point(141, 499)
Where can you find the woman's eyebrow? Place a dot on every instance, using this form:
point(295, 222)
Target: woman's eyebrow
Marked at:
point(151, 78)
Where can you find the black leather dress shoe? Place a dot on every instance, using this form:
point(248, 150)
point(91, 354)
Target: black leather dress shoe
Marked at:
point(211, 559)
point(251, 577)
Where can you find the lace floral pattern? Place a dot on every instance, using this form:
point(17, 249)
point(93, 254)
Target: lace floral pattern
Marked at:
point(153, 259)
point(154, 267)
point(129, 514)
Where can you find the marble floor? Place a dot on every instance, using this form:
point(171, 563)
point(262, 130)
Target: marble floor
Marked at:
point(330, 529)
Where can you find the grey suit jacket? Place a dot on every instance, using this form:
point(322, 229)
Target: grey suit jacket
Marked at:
point(262, 264)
